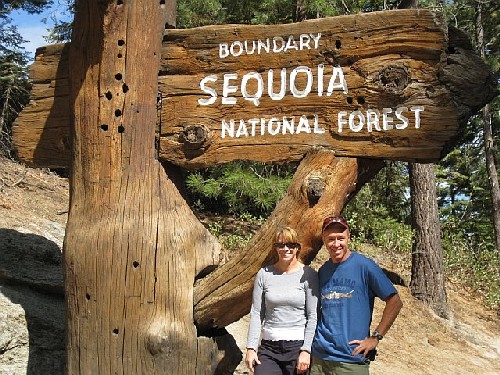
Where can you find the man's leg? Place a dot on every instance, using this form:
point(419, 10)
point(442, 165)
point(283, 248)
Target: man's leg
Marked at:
point(321, 367)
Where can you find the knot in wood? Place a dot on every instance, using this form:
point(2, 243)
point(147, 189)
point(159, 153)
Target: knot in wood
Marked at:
point(195, 137)
point(160, 343)
point(315, 186)
point(393, 78)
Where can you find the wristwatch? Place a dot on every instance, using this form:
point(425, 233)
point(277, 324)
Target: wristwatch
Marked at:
point(377, 335)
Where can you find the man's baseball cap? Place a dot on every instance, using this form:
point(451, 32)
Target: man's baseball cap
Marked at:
point(332, 220)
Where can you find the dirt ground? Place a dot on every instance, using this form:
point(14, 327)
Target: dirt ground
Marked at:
point(36, 201)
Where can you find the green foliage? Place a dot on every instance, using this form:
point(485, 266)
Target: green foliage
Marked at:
point(477, 265)
point(63, 22)
point(238, 187)
point(194, 13)
point(30, 6)
point(14, 85)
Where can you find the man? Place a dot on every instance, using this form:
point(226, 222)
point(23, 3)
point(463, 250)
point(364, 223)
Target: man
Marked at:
point(349, 283)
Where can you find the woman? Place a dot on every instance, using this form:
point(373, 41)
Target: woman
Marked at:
point(283, 314)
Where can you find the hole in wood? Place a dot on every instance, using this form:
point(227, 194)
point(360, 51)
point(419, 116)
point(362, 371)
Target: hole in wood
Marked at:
point(108, 95)
point(349, 100)
point(119, 2)
point(135, 264)
point(115, 331)
point(360, 100)
point(87, 297)
point(104, 127)
point(451, 50)
point(121, 42)
point(119, 55)
point(124, 88)
point(118, 112)
point(118, 76)
point(338, 44)
point(121, 129)
point(162, 2)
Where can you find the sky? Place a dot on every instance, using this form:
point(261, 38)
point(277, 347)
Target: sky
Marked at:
point(32, 27)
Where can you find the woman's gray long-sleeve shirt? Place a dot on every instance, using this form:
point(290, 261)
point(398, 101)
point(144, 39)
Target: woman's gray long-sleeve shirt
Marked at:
point(284, 306)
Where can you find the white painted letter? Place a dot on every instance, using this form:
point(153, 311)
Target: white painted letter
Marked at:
point(228, 89)
point(316, 39)
point(254, 122)
point(361, 123)
point(403, 119)
point(288, 125)
point(261, 44)
point(229, 127)
point(317, 129)
point(296, 93)
point(303, 125)
point(304, 41)
point(270, 129)
point(223, 50)
point(260, 87)
point(242, 130)
point(341, 120)
point(372, 120)
point(291, 44)
point(208, 90)
point(341, 85)
point(270, 84)
point(277, 49)
point(253, 47)
point(387, 119)
point(240, 48)
point(321, 68)
point(417, 109)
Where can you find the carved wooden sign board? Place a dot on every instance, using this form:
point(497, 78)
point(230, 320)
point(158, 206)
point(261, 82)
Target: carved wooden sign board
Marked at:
point(368, 85)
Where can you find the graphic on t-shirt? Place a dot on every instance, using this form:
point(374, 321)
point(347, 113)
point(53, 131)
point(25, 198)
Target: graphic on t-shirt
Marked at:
point(337, 295)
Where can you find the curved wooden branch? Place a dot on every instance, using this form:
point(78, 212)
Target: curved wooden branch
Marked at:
point(321, 186)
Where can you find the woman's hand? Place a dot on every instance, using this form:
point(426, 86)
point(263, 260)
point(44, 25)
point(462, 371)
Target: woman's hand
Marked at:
point(251, 359)
point(303, 362)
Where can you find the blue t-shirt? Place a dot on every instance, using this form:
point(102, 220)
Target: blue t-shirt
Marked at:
point(348, 290)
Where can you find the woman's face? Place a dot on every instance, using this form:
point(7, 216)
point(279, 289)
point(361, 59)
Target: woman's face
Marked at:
point(286, 250)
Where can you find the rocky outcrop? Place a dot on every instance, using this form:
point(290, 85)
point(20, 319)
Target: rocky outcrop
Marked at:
point(33, 206)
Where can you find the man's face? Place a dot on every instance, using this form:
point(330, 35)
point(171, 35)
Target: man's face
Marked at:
point(336, 240)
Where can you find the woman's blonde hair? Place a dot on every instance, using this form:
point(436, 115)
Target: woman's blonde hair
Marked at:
point(288, 234)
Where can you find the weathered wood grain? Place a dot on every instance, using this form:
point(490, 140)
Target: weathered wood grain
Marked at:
point(389, 59)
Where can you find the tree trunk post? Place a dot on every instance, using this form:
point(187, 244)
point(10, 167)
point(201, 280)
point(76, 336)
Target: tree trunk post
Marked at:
point(132, 246)
point(427, 271)
point(427, 254)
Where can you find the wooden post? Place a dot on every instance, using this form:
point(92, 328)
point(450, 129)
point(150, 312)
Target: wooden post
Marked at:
point(132, 246)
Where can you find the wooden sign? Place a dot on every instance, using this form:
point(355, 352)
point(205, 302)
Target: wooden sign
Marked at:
point(376, 85)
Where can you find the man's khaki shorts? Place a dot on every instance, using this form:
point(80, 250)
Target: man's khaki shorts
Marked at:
point(322, 367)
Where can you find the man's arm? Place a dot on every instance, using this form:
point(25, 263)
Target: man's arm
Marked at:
point(392, 308)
